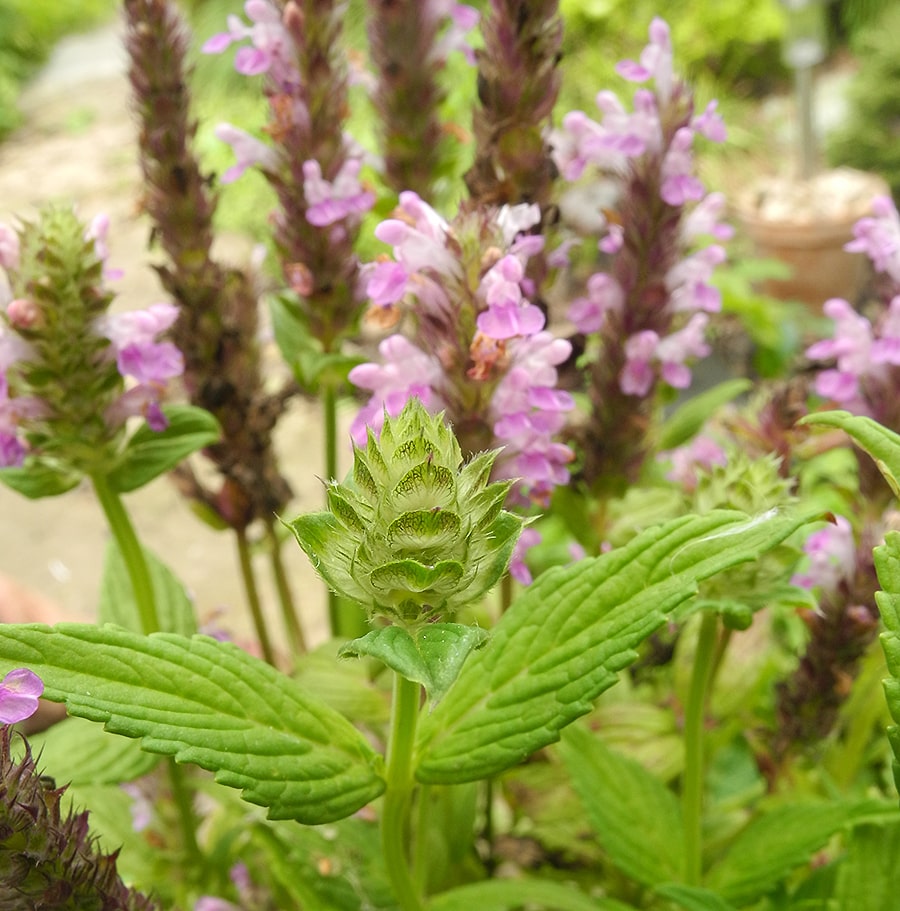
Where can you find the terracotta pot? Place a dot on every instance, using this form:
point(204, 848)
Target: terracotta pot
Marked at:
point(805, 225)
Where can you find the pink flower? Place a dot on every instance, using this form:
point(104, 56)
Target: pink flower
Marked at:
point(679, 183)
point(637, 375)
point(604, 294)
point(331, 201)
point(701, 453)
point(655, 61)
point(248, 150)
point(675, 349)
point(19, 693)
point(704, 219)
point(832, 557)
point(517, 566)
point(407, 372)
point(688, 281)
point(878, 236)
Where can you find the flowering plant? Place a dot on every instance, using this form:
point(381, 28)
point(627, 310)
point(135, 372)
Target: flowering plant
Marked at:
point(674, 705)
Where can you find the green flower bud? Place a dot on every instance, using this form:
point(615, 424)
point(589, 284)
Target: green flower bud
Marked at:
point(412, 534)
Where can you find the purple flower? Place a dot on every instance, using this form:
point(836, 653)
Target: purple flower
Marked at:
point(878, 236)
point(271, 51)
point(703, 219)
point(675, 349)
point(248, 150)
point(604, 294)
point(140, 357)
point(331, 201)
point(638, 375)
point(461, 20)
point(679, 183)
point(655, 61)
point(688, 281)
point(406, 371)
point(832, 557)
point(517, 566)
point(211, 903)
point(701, 453)
point(19, 693)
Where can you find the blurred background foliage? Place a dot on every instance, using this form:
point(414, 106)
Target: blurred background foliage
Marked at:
point(28, 31)
point(729, 49)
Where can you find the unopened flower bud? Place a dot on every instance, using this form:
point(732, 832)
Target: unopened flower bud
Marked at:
point(413, 534)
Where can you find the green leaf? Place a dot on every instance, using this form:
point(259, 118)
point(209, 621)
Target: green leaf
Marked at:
point(75, 751)
point(562, 642)
point(434, 658)
point(150, 453)
point(37, 480)
point(778, 841)
point(209, 703)
point(881, 444)
point(636, 818)
point(509, 894)
point(686, 422)
point(117, 604)
point(867, 877)
point(693, 898)
point(887, 566)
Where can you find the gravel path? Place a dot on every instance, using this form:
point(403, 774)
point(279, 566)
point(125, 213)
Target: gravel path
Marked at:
point(77, 146)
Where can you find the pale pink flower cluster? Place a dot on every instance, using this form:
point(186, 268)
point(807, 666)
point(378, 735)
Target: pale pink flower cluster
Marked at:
point(878, 236)
point(832, 557)
point(147, 363)
point(479, 349)
point(701, 454)
point(635, 145)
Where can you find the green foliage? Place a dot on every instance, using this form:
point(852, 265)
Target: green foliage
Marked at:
point(563, 641)
point(636, 819)
point(737, 40)
point(433, 656)
point(118, 605)
point(777, 841)
point(508, 895)
point(150, 453)
point(209, 703)
point(28, 31)
point(79, 752)
point(869, 140)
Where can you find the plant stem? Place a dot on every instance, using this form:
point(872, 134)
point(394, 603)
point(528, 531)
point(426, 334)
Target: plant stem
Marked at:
point(132, 553)
point(695, 710)
point(181, 794)
point(285, 598)
point(252, 593)
point(398, 796)
point(142, 586)
point(329, 408)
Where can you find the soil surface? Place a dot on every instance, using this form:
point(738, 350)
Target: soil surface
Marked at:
point(77, 147)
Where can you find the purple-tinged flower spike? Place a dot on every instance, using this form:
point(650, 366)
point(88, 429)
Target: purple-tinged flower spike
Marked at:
point(841, 629)
point(50, 859)
point(645, 312)
point(311, 164)
point(19, 693)
point(217, 326)
point(478, 349)
point(518, 84)
point(408, 42)
point(65, 362)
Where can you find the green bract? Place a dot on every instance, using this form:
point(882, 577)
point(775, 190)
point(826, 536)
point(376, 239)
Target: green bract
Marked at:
point(412, 533)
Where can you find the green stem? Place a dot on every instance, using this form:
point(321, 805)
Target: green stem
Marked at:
point(132, 553)
point(329, 408)
point(142, 585)
point(181, 794)
point(695, 710)
point(424, 809)
point(285, 598)
point(398, 795)
point(252, 593)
